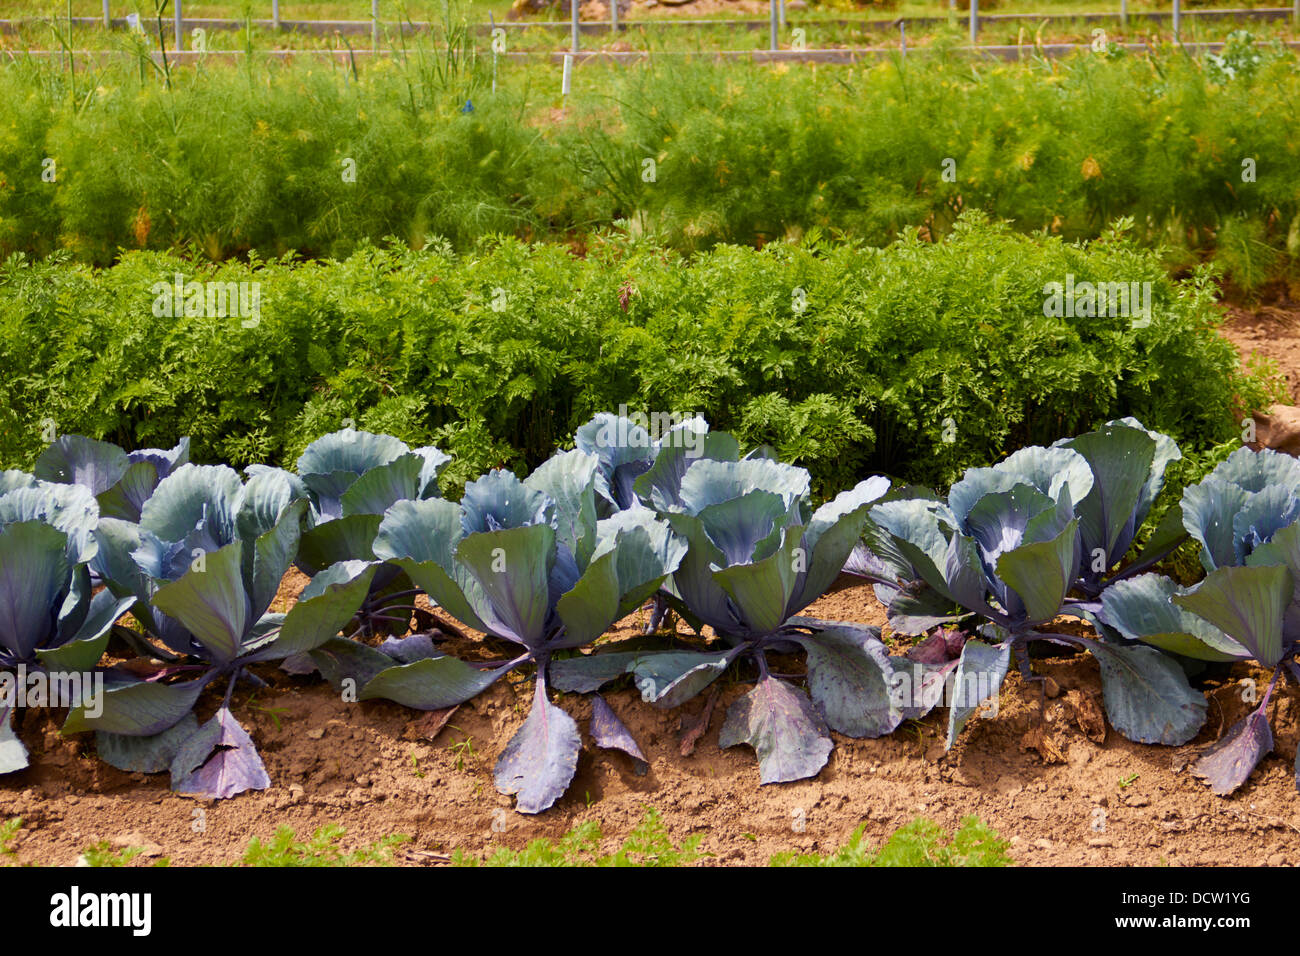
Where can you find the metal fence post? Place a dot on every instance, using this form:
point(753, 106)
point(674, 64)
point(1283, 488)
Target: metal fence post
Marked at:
point(374, 25)
point(576, 12)
point(179, 41)
point(275, 14)
point(974, 21)
point(613, 15)
point(781, 12)
point(1178, 17)
point(1123, 13)
point(108, 22)
point(775, 26)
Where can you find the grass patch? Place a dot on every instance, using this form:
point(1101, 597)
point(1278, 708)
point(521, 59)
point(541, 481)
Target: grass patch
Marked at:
point(920, 843)
point(649, 844)
point(323, 849)
point(102, 854)
point(8, 833)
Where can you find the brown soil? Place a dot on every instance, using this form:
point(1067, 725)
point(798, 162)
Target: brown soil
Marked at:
point(1269, 331)
point(1063, 789)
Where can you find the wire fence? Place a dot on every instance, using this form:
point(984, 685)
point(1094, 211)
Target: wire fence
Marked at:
point(776, 22)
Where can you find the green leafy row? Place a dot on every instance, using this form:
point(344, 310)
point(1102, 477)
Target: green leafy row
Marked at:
point(919, 360)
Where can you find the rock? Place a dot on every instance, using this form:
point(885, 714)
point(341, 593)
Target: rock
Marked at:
point(1101, 841)
point(1279, 429)
point(1277, 859)
point(316, 733)
point(1137, 800)
point(1043, 844)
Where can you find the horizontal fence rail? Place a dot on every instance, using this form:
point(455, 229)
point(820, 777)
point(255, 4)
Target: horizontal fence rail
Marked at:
point(366, 27)
point(839, 55)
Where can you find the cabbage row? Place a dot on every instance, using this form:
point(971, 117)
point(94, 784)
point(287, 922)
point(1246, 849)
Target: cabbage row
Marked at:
point(682, 520)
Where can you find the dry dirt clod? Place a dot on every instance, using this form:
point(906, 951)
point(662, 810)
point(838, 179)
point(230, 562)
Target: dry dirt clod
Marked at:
point(1037, 739)
point(693, 730)
point(432, 723)
point(1087, 715)
point(963, 779)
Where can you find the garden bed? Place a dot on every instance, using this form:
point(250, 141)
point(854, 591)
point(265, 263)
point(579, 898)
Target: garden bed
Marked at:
point(371, 768)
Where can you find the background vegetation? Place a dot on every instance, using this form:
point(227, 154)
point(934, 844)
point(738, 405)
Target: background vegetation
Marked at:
point(227, 162)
